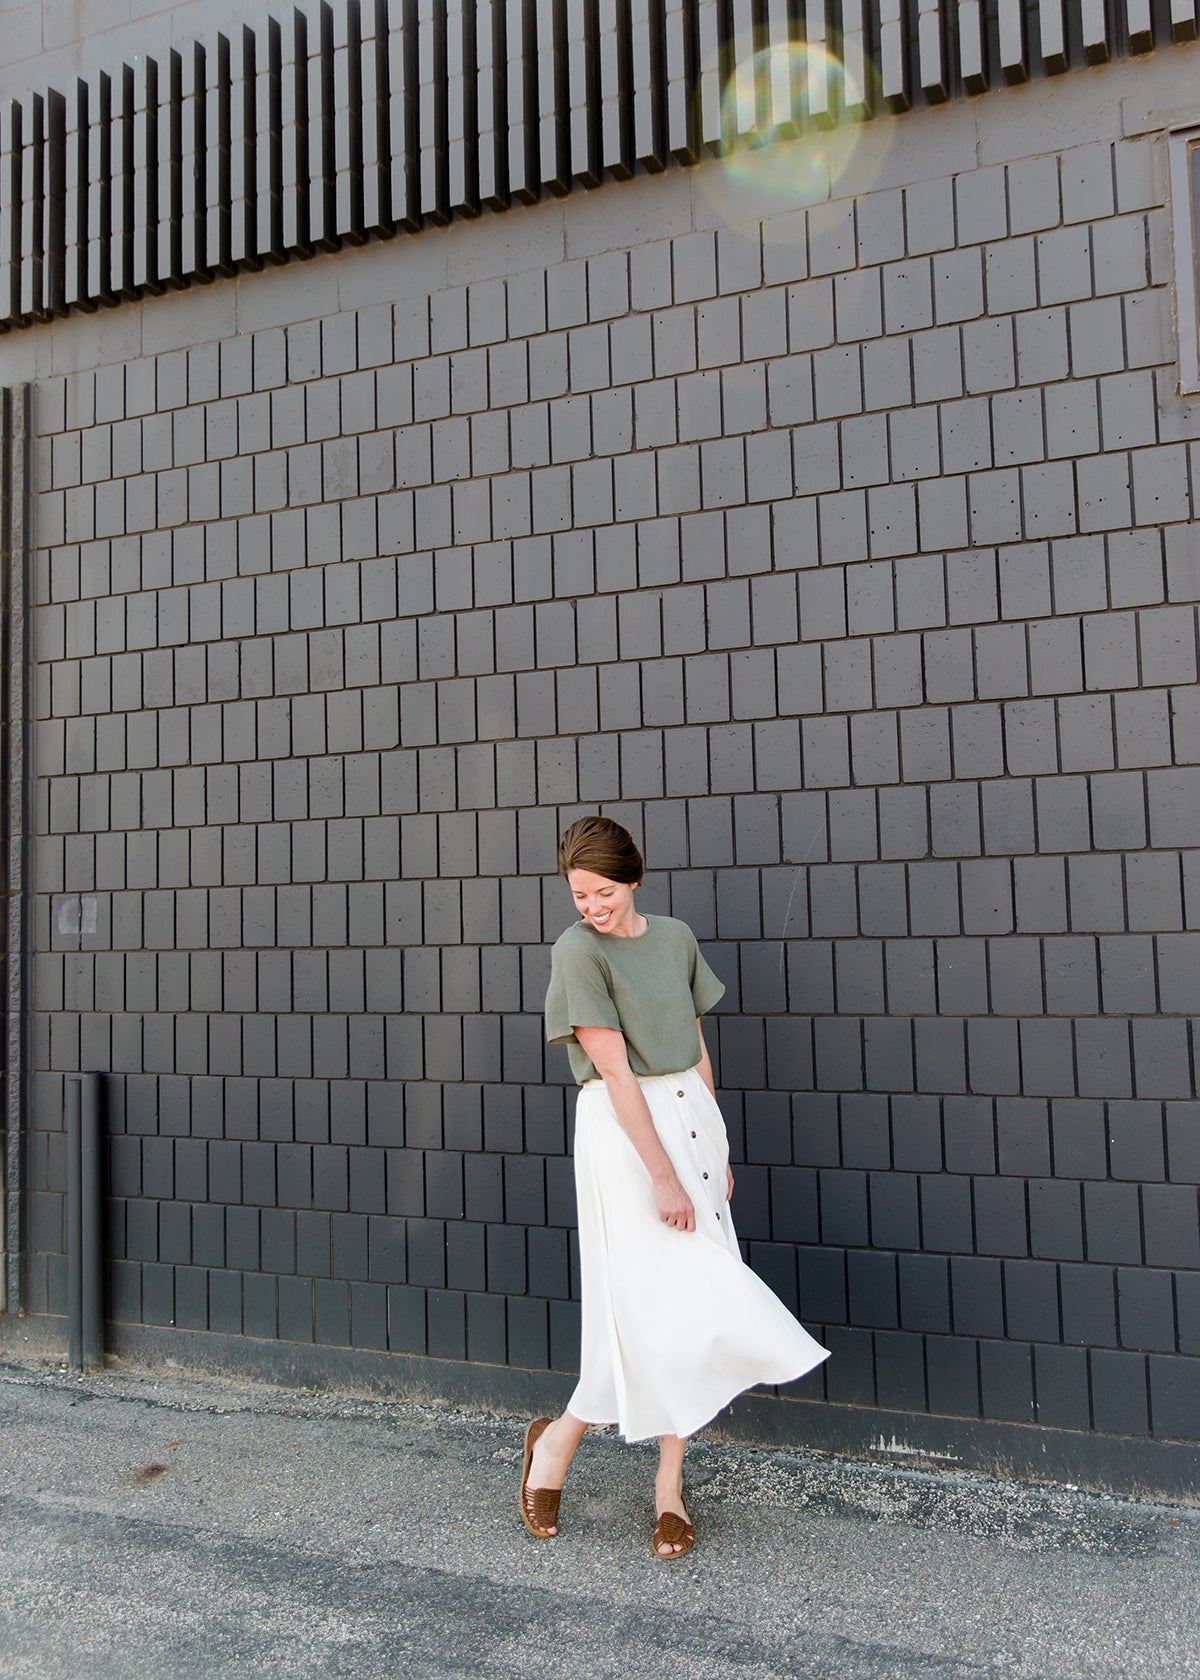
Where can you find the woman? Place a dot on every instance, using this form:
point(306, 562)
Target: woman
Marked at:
point(674, 1324)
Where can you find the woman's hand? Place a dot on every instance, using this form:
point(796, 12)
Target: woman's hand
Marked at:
point(728, 1183)
point(610, 1057)
point(674, 1205)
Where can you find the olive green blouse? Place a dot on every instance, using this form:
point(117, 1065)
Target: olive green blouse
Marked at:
point(650, 988)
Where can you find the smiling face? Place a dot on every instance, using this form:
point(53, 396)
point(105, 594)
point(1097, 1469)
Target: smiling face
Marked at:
point(606, 905)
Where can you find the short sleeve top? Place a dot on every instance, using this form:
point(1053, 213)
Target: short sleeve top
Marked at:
point(651, 988)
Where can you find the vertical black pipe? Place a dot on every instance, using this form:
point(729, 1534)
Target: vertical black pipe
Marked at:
point(74, 1225)
point(85, 1247)
point(92, 1190)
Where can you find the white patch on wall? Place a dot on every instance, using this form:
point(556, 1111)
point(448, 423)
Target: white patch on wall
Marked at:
point(76, 914)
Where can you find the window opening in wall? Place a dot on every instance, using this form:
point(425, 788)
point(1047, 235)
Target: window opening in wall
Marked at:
point(1184, 153)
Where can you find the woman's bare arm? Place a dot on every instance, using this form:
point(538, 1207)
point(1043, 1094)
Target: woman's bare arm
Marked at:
point(704, 1069)
point(704, 1066)
point(610, 1057)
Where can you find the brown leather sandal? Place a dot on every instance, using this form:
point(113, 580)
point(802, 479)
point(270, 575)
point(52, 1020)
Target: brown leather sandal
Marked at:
point(538, 1506)
point(672, 1530)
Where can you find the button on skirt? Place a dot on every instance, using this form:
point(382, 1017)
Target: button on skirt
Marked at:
point(675, 1324)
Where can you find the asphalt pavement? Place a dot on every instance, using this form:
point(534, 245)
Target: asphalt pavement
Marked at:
point(160, 1527)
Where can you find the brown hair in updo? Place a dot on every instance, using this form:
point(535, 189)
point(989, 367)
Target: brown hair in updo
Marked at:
point(603, 847)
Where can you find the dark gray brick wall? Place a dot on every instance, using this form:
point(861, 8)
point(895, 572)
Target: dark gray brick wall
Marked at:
point(851, 559)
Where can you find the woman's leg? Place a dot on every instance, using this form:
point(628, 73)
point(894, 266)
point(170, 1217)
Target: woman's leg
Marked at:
point(552, 1455)
point(668, 1484)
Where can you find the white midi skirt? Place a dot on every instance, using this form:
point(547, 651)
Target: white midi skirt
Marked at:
point(675, 1324)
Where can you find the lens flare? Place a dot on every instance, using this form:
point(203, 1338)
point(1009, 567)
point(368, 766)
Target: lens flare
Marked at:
point(790, 124)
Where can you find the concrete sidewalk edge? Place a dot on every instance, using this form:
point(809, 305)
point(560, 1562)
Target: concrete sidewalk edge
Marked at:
point(1126, 1466)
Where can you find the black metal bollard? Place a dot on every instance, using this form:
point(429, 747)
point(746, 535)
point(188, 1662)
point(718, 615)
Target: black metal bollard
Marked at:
point(85, 1246)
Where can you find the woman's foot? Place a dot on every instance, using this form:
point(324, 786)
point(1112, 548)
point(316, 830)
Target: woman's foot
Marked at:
point(671, 1537)
point(553, 1449)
